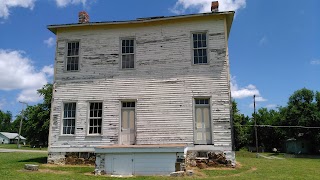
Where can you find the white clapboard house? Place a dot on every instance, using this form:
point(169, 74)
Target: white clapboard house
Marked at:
point(141, 91)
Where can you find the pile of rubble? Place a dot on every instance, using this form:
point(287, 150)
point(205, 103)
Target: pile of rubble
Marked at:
point(74, 159)
point(212, 159)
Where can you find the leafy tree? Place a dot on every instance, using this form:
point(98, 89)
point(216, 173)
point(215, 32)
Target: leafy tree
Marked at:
point(241, 136)
point(37, 118)
point(5, 121)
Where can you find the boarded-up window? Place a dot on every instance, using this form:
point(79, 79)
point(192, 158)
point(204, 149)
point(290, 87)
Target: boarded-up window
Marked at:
point(127, 53)
point(69, 118)
point(200, 48)
point(95, 119)
point(72, 56)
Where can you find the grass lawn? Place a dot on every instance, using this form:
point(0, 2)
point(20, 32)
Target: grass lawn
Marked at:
point(250, 168)
point(26, 147)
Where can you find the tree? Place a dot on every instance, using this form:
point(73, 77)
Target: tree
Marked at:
point(5, 121)
point(303, 110)
point(36, 125)
point(241, 136)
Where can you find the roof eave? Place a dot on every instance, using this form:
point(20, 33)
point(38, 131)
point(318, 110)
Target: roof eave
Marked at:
point(229, 14)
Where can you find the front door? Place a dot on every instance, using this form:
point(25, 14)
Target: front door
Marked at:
point(202, 126)
point(127, 123)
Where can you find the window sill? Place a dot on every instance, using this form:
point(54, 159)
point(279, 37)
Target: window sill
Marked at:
point(94, 135)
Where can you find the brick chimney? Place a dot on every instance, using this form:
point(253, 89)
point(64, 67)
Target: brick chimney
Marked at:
point(83, 17)
point(214, 6)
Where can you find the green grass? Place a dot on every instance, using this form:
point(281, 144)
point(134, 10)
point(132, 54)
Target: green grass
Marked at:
point(11, 167)
point(26, 147)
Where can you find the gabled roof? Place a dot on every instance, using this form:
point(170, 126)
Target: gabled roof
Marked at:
point(12, 135)
point(229, 16)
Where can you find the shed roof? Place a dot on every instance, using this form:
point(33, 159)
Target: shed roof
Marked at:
point(229, 16)
point(11, 135)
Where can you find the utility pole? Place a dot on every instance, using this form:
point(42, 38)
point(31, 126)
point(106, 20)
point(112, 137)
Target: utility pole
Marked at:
point(255, 124)
point(22, 117)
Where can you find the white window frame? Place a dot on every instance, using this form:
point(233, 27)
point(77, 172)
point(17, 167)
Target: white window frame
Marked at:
point(68, 118)
point(99, 118)
point(201, 48)
point(72, 56)
point(133, 53)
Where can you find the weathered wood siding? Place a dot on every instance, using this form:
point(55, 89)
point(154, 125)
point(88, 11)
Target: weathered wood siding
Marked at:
point(163, 83)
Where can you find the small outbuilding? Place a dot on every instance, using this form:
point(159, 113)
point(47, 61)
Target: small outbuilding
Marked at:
point(297, 146)
point(138, 159)
point(11, 138)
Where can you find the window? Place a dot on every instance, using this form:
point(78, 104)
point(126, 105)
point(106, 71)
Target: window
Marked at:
point(69, 118)
point(95, 118)
point(200, 48)
point(73, 56)
point(127, 53)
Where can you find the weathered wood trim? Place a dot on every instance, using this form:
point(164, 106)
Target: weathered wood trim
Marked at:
point(192, 53)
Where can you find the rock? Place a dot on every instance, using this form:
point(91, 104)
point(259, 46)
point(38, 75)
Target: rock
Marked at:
point(193, 163)
point(189, 173)
point(31, 167)
point(177, 174)
point(201, 165)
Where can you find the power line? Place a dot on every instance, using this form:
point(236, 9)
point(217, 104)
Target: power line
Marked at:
point(306, 127)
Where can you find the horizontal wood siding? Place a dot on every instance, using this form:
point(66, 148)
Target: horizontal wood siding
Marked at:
point(164, 83)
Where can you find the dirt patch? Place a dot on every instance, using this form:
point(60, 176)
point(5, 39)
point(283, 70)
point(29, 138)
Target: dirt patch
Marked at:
point(67, 165)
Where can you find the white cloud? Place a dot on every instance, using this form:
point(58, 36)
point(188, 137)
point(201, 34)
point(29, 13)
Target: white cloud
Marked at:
point(263, 40)
point(271, 106)
point(49, 42)
point(64, 3)
point(244, 92)
point(205, 5)
point(315, 62)
point(6, 5)
point(18, 73)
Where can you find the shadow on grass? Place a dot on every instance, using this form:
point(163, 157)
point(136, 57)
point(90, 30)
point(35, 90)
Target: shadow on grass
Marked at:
point(41, 160)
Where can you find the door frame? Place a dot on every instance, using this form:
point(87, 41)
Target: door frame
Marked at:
point(120, 119)
point(194, 118)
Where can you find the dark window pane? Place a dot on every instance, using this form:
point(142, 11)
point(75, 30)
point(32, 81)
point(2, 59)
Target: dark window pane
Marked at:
point(194, 37)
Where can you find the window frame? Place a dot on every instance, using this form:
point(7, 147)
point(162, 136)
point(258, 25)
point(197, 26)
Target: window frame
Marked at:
point(193, 48)
point(89, 118)
point(134, 52)
point(66, 55)
point(62, 117)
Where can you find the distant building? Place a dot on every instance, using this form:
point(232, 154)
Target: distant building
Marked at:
point(11, 138)
point(298, 146)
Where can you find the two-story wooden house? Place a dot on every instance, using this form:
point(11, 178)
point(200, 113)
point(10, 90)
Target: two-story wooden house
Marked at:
point(158, 81)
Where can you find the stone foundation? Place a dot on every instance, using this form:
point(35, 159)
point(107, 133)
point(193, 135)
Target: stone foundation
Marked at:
point(203, 159)
point(72, 158)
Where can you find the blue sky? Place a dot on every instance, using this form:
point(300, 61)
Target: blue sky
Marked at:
point(273, 45)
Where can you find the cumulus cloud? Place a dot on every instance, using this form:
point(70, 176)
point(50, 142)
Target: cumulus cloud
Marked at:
point(49, 42)
point(315, 62)
point(6, 5)
point(64, 3)
point(271, 106)
point(245, 92)
point(205, 5)
point(18, 73)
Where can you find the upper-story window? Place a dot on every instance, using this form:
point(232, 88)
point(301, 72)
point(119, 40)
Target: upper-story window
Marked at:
point(73, 56)
point(200, 48)
point(127, 53)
